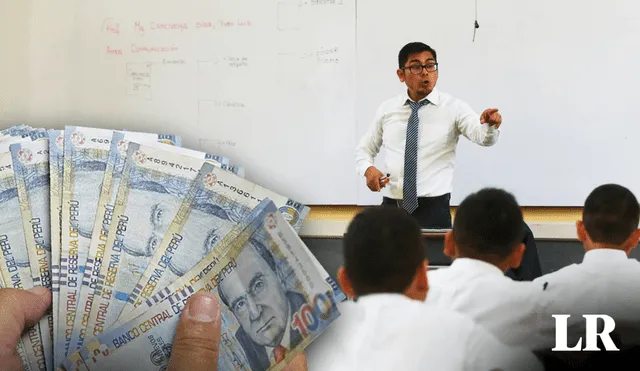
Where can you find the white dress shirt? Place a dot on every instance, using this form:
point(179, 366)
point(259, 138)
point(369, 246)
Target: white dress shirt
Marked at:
point(392, 332)
point(510, 309)
point(441, 123)
point(606, 282)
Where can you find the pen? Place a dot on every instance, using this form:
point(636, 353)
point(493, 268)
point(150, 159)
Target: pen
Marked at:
point(385, 177)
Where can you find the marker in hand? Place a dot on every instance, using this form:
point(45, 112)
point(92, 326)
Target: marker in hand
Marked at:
point(384, 180)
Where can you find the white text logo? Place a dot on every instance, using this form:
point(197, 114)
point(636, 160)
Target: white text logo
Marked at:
point(591, 333)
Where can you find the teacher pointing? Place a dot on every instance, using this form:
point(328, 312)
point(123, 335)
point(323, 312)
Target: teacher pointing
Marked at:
point(418, 132)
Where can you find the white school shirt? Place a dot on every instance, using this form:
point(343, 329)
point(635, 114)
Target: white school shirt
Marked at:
point(393, 332)
point(510, 309)
point(441, 123)
point(605, 282)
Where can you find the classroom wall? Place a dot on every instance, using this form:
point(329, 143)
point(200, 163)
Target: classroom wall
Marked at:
point(531, 214)
point(546, 223)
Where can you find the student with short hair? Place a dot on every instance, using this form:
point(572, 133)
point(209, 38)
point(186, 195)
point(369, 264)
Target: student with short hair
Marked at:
point(607, 281)
point(485, 241)
point(387, 326)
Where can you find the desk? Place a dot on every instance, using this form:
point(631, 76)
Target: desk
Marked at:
point(434, 241)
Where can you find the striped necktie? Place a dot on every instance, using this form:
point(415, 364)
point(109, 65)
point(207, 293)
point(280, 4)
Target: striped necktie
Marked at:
point(409, 190)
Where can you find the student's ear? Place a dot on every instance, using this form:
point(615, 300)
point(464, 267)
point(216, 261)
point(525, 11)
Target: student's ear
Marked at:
point(516, 256)
point(581, 231)
point(419, 286)
point(632, 241)
point(345, 283)
point(449, 245)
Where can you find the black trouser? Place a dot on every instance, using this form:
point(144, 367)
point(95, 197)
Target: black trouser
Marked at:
point(434, 213)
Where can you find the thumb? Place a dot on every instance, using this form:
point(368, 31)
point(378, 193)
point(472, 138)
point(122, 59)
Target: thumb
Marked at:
point(22, 309)
point(195, 345)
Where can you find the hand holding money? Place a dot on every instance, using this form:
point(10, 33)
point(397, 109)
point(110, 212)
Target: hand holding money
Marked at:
point(195, 345)
point(158, 257)
point(197, 340)
point(21, 309)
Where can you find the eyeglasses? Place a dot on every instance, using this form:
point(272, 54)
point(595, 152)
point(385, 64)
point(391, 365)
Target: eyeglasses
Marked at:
point(417, 69)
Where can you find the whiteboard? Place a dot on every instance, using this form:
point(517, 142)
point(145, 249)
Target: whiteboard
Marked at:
point(269, 84)
point(286, 88)
point(564, 74)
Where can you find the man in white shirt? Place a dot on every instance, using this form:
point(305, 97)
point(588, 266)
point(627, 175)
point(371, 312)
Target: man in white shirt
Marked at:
point(387, 326)
point(486, 240)
point(418, 132)
point(607, 281)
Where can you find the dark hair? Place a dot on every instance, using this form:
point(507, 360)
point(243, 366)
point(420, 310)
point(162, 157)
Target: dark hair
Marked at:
point(414, 48)
point(611, 213)
point(383, 248)
point(488, 225)
point(264, 252)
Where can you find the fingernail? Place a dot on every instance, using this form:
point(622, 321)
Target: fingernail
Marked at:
point(39, 290)
point(203, 308)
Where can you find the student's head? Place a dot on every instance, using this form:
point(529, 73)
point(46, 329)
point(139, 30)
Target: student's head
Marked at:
point(610, 219)
point(488, 226)
point(411, 60)
point(384, 253)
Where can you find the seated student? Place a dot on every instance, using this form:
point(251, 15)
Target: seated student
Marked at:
point(387, 325)
point(607, 281)
point(486, 240)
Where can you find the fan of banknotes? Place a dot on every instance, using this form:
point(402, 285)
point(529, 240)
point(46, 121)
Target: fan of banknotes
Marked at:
point(125, 226)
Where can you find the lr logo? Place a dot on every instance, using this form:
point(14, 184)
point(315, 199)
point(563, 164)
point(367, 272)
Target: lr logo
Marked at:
point(591, 334)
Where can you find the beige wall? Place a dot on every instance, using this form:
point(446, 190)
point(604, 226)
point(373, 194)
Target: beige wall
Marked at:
point(14, 66)
point(531, 214)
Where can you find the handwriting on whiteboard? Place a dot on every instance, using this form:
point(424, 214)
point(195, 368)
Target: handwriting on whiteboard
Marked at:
point(139, 79)
point(142, 28)
point(113, 51)
point(149, 49)
point(111, 26)
point(327, 2)
point(328, 55)
point(239, 23)
point(208, 143)
point(173, 61)
point(153, 48)
point(222, 103)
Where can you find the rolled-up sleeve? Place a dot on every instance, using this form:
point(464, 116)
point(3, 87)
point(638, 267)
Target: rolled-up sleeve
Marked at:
point(370, 144)
point(468, 124)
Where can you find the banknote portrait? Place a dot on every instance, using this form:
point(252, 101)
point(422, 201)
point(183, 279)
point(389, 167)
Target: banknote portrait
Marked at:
point(89, 173)
point(210, 219)
point(150, 209)
point(264, 308)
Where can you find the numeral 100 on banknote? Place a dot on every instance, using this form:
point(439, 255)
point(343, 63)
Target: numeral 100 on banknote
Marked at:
point(306, 319)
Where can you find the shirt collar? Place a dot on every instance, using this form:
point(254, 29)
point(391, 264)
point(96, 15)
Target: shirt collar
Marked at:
point(433, 97)
point(598, 256)
point(380, 299)
point(478, 267)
